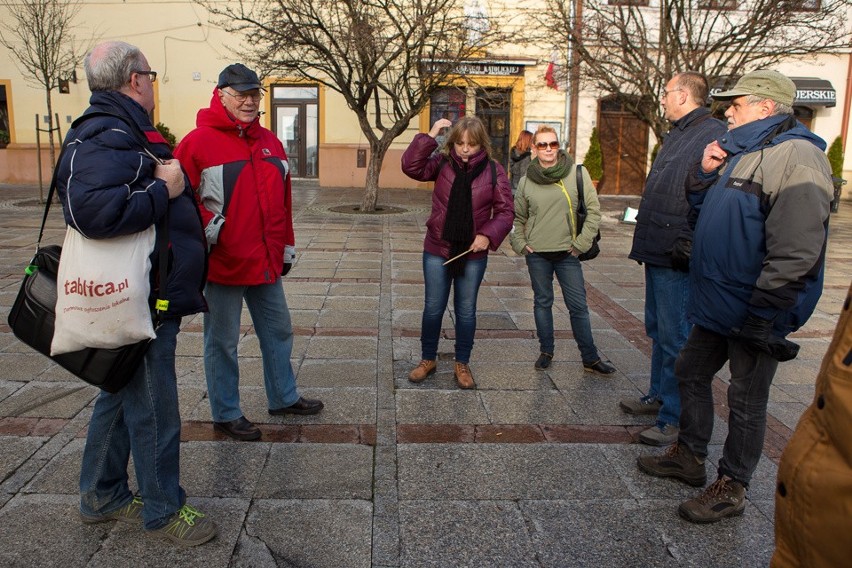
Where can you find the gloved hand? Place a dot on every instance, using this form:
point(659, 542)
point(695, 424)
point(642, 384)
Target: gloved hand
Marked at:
point(755, 331)
point(782, 349)
point(289, 259)
point(213, 228)
point(681, 253)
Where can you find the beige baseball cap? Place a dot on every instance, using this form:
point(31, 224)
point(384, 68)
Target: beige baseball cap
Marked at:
point(764, 83)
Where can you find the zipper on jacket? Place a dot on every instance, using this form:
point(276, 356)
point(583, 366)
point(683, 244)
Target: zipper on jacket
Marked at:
point(570, 212)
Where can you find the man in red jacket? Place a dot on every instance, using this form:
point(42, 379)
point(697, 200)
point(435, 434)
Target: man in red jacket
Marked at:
point(241, 177)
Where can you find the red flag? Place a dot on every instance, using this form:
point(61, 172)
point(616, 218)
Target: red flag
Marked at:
point(549, 78)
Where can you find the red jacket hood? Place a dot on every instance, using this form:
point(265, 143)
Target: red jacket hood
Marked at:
point(217, 116)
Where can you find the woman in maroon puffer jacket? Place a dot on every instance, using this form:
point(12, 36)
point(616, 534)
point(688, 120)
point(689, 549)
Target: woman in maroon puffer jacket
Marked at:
point(472, 211)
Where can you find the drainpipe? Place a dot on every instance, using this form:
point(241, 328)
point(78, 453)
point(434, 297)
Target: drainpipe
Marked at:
point(844, 123)
point(574, 93)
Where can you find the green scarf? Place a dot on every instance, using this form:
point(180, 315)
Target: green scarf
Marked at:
point(556, 172)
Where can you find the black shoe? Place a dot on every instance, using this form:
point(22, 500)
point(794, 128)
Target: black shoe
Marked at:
point(599, 367)
point(304, 406)
point(239, 429)
point(543, 361)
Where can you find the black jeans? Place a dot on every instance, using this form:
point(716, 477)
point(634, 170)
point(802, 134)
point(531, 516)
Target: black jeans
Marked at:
point(752, 372)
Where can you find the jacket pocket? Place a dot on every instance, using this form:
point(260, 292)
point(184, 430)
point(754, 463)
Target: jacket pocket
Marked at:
point(665, 229)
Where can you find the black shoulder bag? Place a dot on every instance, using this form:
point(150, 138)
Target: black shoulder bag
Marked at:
point(595, 249)
point(33, 317)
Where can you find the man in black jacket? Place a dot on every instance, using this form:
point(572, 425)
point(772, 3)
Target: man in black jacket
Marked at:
point(662, 241)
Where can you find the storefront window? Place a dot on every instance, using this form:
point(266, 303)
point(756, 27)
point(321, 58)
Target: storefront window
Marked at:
point(447, 102)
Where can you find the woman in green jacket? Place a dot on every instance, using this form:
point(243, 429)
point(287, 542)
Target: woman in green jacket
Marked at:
point(545, 234)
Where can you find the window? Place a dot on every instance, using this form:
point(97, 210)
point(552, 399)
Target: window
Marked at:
point(628, 2)
point(447, 102)
point(5, 131)
point(802, 5)
point(717, 4)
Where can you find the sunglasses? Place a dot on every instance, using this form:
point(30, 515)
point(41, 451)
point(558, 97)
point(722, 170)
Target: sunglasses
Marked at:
point(543, 145)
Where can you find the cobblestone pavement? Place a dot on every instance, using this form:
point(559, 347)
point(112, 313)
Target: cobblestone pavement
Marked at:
point(533, 468)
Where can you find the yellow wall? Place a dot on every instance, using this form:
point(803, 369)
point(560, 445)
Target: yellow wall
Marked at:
point(188, 53)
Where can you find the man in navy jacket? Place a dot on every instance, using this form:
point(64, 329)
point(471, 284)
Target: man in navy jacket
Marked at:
point(662, 242)
point(116, 177)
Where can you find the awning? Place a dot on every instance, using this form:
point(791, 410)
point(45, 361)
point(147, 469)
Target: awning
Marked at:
point(811, 91)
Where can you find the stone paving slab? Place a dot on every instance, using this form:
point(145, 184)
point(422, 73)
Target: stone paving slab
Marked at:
point(317, 471)
point(463, 534)
point(16, 450)
point(533, 468)
point(505, 471)
point(313, 532)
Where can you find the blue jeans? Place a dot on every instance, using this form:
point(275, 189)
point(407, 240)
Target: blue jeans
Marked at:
point(465, 291)
point(271, 319)
point(752, 372)
point(666, 300)
point(142, 418)
point(569, 273)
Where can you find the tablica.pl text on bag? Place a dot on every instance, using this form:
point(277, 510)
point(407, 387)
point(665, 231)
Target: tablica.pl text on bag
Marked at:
point(102, 292)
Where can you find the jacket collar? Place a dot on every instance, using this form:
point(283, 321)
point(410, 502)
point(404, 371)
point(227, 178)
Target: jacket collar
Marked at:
point(122, 105)
point(472, 161)
point(690, 117)
point(753, 135)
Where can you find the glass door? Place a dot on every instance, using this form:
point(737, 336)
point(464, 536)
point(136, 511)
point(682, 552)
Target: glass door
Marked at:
point(297, 126)
point(287, 128)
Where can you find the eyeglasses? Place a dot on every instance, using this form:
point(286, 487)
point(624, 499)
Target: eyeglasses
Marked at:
point(543, 145)
point(243, 97)
point(151, 74)
point(664, 93)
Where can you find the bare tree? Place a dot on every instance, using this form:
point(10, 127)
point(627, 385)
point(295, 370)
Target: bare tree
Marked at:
point(628, 49)
point(385, 57)
point(39, 37)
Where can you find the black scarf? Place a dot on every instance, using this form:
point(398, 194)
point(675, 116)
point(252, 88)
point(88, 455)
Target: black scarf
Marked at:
point(458, 222)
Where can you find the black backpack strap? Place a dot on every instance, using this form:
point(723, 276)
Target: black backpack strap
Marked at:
point(580, 186)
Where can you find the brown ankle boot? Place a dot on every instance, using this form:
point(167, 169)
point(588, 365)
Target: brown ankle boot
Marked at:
point(463, 376)
point(422, 370)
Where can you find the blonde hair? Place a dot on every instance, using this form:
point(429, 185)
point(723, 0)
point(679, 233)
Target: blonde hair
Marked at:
point(542, 128)
point(476, 134)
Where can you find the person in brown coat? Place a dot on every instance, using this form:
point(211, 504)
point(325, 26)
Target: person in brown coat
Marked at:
point(813, 497)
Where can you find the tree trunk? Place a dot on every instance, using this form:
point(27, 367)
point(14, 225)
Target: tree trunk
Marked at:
point(52, 146)
point(51, 128)
point(378, 149)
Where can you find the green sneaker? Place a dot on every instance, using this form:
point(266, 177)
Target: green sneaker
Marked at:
point(130, 513)
point(187, 527)
point(724, 498)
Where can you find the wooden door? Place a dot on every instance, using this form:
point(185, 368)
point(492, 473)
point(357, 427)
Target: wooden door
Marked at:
point(624, 147)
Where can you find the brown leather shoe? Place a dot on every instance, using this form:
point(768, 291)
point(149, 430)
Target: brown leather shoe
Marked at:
point(463, 376)
point(425, 368)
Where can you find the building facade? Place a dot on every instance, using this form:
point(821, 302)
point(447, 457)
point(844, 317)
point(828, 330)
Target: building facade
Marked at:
point(509, 88)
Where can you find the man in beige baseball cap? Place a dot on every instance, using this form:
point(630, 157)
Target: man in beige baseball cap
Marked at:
point(760, 202)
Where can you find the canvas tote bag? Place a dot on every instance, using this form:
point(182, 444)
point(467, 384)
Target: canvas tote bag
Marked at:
point(102, 292)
